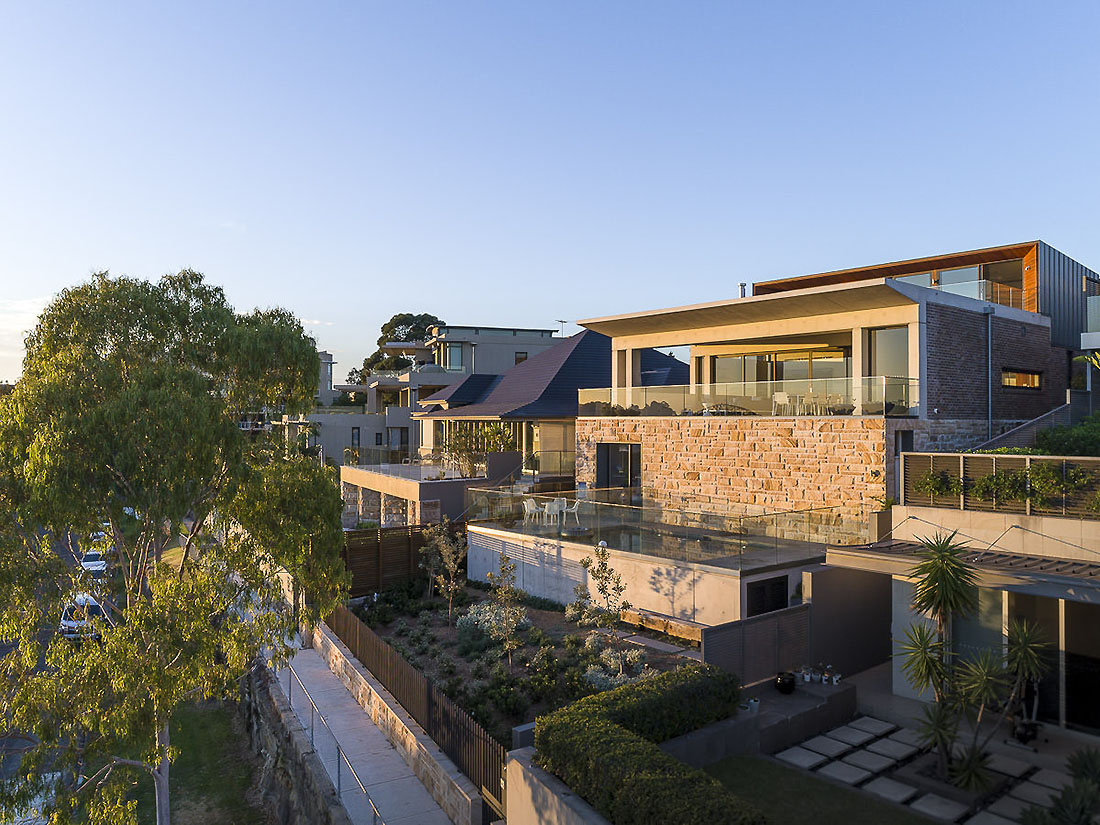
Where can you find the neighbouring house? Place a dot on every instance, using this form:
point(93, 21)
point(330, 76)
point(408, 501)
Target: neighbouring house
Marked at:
point(535, 401)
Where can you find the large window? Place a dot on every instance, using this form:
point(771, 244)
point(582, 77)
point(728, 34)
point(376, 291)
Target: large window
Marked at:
point(797, 365)
point(889, 348)
point(619, 465)
point(766, 595)
point(1022, 379)
point(452, 356)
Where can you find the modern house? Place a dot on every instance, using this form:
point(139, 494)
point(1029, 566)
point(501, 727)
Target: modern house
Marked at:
point(534, 401)
point(804, 393)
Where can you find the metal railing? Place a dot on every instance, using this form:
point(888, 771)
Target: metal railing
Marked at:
point(459, 736)
point(740, 541)
point(981, 290)
point(879, 395)
point(369, 456)
point(341, 757)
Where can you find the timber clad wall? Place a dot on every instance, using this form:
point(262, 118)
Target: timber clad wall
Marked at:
point(707, 463)
point(956, 366)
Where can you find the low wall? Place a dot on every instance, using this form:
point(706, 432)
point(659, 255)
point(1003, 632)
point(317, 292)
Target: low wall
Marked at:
point(1057, 536)
point(536, 797)
point(454, 792)
point(551, 569)
point(294, 785)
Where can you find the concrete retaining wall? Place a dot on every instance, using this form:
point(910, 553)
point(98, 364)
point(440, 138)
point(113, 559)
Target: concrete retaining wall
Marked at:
point(536, 797)
point(454, 792)
point(294, 785)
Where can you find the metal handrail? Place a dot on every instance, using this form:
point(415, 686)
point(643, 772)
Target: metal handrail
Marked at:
point(315, 713)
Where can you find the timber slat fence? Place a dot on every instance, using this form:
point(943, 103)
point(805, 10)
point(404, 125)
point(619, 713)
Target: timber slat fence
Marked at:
point(477, 754)
point(381, 557)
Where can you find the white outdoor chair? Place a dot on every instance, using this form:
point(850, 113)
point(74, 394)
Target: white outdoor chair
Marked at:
point(571, 511)
point(554, 509)
point(781, 401)
point(531, 511)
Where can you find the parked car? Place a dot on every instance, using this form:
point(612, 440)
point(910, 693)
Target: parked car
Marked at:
point(77, 619)
point(95, 563)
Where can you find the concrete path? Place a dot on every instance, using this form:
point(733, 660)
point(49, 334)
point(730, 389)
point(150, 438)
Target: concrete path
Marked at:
point(397, 794)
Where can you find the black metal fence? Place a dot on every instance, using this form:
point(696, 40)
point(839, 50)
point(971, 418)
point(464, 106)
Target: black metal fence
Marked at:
point(473, 750)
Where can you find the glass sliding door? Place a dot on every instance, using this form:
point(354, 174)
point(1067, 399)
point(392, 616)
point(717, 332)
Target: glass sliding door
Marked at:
point(889, 350)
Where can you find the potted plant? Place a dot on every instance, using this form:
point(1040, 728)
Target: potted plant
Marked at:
point(784, 682)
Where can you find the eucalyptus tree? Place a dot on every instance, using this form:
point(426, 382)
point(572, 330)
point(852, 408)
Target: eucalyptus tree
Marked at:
point(127, 416)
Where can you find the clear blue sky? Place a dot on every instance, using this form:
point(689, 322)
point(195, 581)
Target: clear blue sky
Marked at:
point(512, 163)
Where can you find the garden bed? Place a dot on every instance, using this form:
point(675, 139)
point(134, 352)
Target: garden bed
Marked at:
point(556, 662)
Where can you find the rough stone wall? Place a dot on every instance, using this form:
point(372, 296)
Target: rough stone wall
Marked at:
point(448, 786)
point(957, 360)
point(395, 511)
point(715, 463)
point(294, 785)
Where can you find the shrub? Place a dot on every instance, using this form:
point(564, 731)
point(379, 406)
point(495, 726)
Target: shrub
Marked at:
point(604, 747)
point(1081, 439)
point(933, 483)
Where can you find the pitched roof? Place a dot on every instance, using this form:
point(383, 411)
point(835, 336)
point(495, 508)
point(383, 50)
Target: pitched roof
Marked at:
point(546, 384)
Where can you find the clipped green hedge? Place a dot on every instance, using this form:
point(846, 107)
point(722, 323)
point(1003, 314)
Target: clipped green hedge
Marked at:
point(604, 747)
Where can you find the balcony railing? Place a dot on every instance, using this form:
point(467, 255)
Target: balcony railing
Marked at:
point(734, 541)
point(365, 456)
point(992, 291)
point(876, 395)
point(550, 463)
point(399, 464)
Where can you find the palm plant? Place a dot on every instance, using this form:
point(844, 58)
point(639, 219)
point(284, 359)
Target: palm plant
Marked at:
point(988, 683)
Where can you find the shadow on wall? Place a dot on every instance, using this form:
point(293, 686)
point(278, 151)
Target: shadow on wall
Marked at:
point(665, 582)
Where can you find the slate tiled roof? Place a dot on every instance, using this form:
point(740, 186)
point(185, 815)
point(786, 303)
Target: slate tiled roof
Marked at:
point(546, 384)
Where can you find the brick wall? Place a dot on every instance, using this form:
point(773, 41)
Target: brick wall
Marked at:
point(956, 359)
point(717, 463)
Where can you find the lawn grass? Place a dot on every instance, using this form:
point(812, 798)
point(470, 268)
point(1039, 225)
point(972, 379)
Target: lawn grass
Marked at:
point(792, 797)
point(212, 775)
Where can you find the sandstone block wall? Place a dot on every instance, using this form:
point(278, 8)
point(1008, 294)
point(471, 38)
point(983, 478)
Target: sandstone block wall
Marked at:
point(712, 462)
point(293, 782)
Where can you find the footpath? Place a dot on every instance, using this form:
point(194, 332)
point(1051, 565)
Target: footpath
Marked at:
point(396, 793)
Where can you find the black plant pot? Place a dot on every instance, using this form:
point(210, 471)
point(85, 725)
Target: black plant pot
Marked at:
point(784, 682)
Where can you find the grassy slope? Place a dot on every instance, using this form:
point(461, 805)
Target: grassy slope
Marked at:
point(792, 797)
point(210, 778)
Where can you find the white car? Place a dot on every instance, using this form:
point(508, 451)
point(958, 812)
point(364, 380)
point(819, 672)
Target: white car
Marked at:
point(94, 562)
point(76, 618)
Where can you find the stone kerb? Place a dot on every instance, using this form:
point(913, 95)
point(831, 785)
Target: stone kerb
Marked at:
point(454, 792)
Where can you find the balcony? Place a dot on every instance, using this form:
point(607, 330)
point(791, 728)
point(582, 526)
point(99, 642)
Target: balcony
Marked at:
point(991, 291)
point(1090, 338)
point(875, 396)
point(738, 541)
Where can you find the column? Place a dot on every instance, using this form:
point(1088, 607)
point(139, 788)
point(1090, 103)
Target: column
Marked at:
point(859, 347)
point(394, 511)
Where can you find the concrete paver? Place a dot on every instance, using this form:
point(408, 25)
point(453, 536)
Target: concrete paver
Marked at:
point(892, 748)
point(801, 758)
point(827, 746)
point(872, 725)
point(986, 818)
point(843, 772)
point(398, 795)
point(1008, 766)
point(873, 762)
point(891, 789)
point(938, 808)
point(1034, 793)
point(1009, 807)
point(1051, 779)
point(850, 736)
point(906, 735)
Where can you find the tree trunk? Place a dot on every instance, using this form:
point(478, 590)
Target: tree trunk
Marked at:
point(160, 780)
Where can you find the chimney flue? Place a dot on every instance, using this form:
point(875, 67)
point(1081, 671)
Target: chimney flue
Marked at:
point(743, 285)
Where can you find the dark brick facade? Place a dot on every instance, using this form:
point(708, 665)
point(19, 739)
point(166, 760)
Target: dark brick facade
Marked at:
point(955, 355)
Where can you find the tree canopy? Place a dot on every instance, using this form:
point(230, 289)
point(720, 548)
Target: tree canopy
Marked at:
point(123, 434)
point(404, 326)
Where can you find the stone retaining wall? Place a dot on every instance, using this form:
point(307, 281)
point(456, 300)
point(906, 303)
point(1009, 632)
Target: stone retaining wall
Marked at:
point(707, 462)
point(454, 792)
point(294, 785)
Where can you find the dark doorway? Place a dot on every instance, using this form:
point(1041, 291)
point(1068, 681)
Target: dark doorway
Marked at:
point(619, 465)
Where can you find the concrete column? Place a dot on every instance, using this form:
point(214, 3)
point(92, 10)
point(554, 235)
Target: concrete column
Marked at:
point(859, 349)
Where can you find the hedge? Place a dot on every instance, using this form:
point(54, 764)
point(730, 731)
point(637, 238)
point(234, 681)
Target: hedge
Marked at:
point(604, 747)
